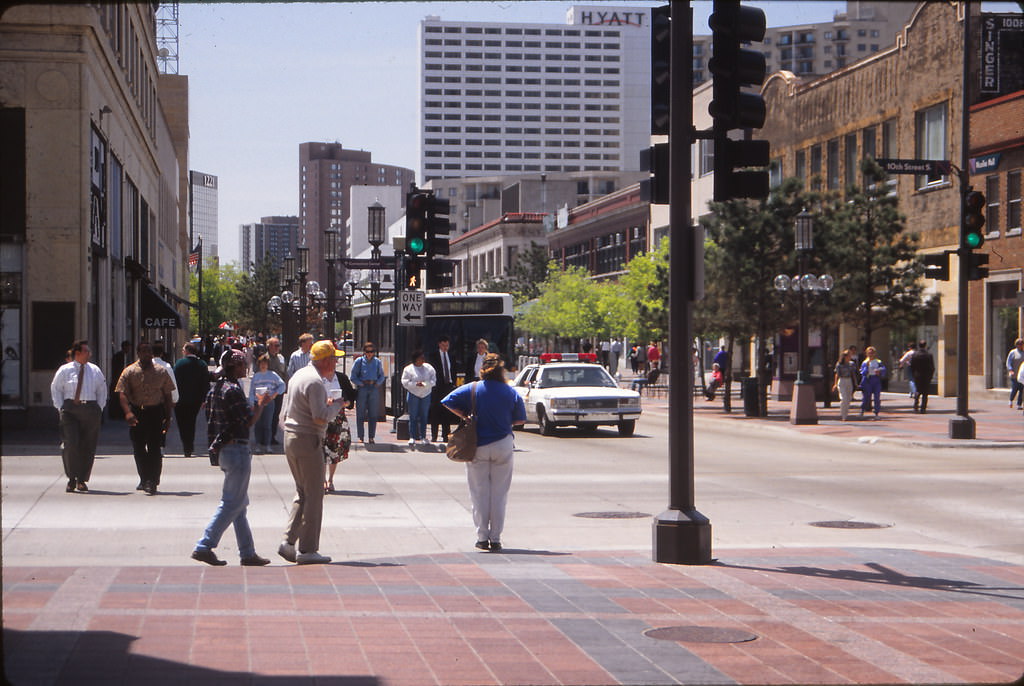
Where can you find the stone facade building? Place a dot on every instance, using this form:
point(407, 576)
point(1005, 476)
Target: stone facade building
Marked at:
point(903, 102)
point(93, 222)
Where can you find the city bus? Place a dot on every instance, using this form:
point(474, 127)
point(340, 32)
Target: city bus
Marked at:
point(463, 317)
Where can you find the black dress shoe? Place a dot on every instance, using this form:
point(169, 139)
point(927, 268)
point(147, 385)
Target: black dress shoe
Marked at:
point(141, 486)
point(71, 486)
point(254, 561)
point(82, 488)
point(150, 488)
point(495, 547)
point(208, 556)
point(483, 545)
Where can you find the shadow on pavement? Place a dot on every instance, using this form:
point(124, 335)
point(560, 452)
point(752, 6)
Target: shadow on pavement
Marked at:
point(890, 577)
point(69, 657)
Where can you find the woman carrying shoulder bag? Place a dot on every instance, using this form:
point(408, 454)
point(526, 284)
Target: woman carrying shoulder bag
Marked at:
point(498, 409)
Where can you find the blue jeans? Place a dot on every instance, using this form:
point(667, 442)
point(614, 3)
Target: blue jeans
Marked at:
point(419, 412)
point(1016, 391)
point(367, 400)
point(236, 463)
point(871, 389)
point(264, 427)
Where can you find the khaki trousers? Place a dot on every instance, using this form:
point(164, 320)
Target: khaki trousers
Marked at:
point(306, 460)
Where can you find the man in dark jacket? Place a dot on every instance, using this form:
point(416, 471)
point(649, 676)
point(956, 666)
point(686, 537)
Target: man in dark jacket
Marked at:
point(193, 378)
point(444, 364)
point(922, 368)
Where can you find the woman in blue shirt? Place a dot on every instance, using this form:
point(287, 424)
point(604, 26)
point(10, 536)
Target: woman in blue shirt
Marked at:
point(368, 378)
point(264, 382)
point(498, 409)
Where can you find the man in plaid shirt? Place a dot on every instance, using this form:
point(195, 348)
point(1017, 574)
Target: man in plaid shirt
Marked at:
point(229, 418)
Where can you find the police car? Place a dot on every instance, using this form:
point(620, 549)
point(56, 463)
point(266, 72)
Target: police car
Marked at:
point(565, 391)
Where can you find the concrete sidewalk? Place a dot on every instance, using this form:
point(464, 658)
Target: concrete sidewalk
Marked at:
point(580, 615)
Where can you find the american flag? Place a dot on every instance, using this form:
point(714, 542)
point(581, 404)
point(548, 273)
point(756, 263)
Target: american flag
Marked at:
point(193, 257)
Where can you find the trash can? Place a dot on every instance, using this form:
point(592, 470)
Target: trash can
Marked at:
point(749, 391)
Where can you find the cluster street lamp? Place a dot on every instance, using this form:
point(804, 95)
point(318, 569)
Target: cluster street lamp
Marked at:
point(332, 253)
point(803, 409)
point(290, 306)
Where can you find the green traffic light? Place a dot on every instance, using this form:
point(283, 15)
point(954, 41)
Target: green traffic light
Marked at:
point(973, 240)
point(416, 245)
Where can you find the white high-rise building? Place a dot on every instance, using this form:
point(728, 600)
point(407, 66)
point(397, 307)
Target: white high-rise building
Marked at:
point(504, 98)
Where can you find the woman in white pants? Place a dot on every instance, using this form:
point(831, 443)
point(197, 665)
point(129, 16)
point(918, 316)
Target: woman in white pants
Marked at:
point(498, 408)
point(845, 371)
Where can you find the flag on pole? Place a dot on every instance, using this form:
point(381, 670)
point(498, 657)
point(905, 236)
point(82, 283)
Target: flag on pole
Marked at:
point(193, 257)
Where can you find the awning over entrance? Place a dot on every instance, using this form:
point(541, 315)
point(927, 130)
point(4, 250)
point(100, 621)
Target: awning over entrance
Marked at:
point(157, 313)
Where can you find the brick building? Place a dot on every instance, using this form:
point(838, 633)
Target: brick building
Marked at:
point(996, 160)
point(906, 102)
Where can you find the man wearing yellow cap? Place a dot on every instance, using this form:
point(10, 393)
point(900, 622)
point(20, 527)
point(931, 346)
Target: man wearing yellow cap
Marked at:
point(307, 410)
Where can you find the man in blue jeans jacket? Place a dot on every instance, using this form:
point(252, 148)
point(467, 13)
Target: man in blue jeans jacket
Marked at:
point(368, 378)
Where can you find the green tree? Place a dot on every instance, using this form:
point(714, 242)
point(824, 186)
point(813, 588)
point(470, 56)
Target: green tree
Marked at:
point(645, 284)
point(525, 278)
point(864, 245)
point(569, 306)
point(220, 294)
point(748, 243)
point(254, 290)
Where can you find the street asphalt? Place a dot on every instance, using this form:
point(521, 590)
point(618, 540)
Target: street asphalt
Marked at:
point(82, 607)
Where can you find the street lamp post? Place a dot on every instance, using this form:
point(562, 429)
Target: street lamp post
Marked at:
point(375, 236)
point(332, 245)
point(803, 409)
point(303, 269)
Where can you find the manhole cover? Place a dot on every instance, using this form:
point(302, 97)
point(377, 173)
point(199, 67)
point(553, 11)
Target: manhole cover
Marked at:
point(701, 634)
point(847, 524)
point(612, 515)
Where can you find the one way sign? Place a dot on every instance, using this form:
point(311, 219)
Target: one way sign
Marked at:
point(411, 308)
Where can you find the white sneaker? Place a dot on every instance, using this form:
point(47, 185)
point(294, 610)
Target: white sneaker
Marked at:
point(424, 442)
point(412, 442)
point(311, 559)
point(287, 551)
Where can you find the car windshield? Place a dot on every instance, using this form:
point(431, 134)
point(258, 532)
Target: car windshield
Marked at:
point(575, 376)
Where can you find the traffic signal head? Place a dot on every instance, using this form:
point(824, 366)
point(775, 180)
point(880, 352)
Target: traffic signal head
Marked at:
point(411, 267)
point(655, 189)
point(734, 67)
point(437, 226)
point(416, 223)
point(661, 64)
point(976, 266)
point(440, 273)
point(734, 177)
point(936, 266)
point(974, 220)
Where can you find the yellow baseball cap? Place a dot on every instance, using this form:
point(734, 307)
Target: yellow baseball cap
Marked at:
point(321, 350)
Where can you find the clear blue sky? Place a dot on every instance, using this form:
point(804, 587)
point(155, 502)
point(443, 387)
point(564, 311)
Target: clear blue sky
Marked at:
point(265, 77)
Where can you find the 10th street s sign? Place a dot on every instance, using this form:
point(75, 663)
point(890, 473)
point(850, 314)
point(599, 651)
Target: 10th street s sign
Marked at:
point(930, 167)
point(411, 308)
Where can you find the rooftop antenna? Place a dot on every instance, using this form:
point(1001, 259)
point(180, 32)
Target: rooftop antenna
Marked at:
point(167, 37)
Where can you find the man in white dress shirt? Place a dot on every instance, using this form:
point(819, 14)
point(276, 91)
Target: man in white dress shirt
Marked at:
point(79, 392)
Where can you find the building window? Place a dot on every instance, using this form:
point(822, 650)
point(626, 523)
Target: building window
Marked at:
point(707, 156)
point(992, 211)
point(816, 167)
point(832, 164)
point(850, 159)
point(930, 138)
point(1013, 227)
point(801, 165)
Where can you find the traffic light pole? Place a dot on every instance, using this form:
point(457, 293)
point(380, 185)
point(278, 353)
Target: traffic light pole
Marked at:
point(682, 535)
point(962, 425)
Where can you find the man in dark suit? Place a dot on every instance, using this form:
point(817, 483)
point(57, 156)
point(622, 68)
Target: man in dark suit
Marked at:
point(444, 365)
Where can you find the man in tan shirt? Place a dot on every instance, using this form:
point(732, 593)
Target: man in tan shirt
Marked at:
point(145, 392)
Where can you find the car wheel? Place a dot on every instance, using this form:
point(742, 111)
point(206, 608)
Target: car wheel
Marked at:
point(627, 427)
point(546, 427)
